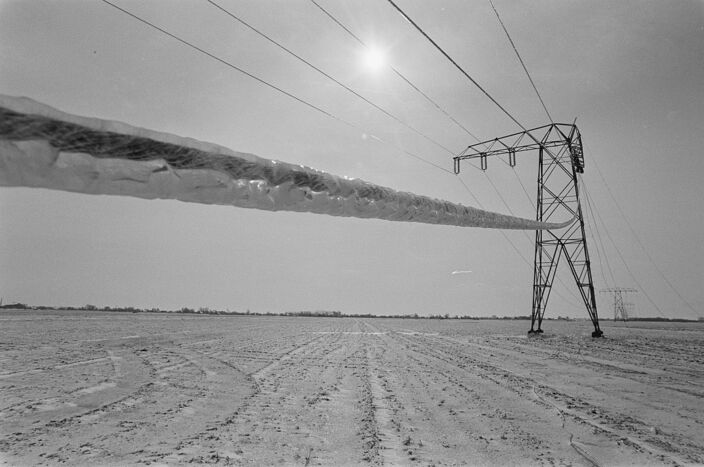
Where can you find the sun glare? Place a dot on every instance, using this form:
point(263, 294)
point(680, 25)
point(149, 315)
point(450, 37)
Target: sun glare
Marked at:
point(374, 59)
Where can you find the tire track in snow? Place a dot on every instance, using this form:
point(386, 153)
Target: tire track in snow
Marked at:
point(271, 410)
point(523, 385)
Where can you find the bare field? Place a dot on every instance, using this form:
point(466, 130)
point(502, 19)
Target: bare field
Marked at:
point(121, 389)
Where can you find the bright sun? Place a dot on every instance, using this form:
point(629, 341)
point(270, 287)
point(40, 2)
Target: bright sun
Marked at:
point(373, 59)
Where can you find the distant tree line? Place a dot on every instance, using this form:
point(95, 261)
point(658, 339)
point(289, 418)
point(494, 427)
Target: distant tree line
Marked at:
point(16, 306)
point(304, 313)
point(672, 320)
point(209, 311)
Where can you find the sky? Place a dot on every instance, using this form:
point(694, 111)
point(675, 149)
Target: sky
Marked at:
point(630, 72)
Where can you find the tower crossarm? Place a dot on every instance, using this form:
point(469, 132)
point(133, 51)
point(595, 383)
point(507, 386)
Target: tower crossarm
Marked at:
point(618, 289)
point(546, 137)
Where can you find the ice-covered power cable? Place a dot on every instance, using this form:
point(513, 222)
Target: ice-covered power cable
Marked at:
point(44, 147)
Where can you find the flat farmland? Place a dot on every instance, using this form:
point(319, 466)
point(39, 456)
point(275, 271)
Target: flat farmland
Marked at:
point(93, 388)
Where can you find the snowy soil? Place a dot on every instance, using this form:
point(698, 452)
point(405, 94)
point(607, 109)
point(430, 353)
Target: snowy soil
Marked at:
point(80, 388)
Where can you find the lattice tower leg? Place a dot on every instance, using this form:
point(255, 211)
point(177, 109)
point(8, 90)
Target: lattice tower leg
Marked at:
point(558, 194)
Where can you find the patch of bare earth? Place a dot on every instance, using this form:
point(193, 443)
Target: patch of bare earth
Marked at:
point(140, 389)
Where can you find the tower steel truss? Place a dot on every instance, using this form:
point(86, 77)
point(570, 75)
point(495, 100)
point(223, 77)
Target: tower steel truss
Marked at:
point(620, 305)
point(560, 159)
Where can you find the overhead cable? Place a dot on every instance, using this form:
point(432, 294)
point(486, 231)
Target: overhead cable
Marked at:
point(523, 187)
point(520, 59)
point(635, 235)
point(276, 88)
point(398, 73)
point(513, 245)
point(599, 240)
point(328, 76)
point(467, 75)
point(224, 62)
point(628, 269)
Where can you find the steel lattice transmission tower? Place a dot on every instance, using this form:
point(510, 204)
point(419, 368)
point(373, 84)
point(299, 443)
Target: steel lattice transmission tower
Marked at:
point(560, 159)
point(620, 306)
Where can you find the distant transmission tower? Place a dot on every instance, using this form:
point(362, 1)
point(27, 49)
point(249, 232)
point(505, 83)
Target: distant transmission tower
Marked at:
point(621, 308)
point(560, 159)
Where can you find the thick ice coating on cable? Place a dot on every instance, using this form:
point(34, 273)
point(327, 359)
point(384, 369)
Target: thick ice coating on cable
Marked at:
point(43, 147)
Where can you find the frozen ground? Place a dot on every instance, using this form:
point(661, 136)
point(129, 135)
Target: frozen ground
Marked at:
point(114, 389)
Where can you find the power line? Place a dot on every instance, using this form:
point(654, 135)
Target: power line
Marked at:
point(600, 250)
point(520, 59)
point(276, 88)
point(600, 241)
point(516, 249)
point(530, 135)
point(476, 200)
point(224, 62)
point(328, 76)
point(525, 190)
point(498, 193)
point(628, 269)
point(398, 73)
point(503, 200)
point(635, 235)
point(486, 93)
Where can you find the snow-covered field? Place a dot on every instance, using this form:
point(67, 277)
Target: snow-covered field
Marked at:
point(113, 388)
